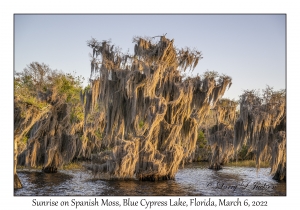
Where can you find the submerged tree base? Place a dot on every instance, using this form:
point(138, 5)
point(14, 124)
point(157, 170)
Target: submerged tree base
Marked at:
point(279, 178)
point(49, 169)
point(280, 174)
point(154, 177)
point(17, 182)
point(216, 167)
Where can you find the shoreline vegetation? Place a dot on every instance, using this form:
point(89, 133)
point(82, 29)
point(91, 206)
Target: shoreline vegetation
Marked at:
point(142, 117)
point(247, 163)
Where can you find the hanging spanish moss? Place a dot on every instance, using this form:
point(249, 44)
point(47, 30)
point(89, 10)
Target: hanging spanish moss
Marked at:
point(221, 134)
point(278, 161)
point(93, 129)
point(51, 142)
point(53, 134)
point(46, 137)
point(151, 111)
point(262, 126)
point(25, 116)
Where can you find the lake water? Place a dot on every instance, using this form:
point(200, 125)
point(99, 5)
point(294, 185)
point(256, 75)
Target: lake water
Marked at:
point(192, 180)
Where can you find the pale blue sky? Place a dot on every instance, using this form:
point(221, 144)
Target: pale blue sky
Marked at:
point(249, 48)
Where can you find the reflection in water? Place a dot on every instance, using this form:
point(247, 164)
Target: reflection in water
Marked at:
point(195, 179)
point(137, 188)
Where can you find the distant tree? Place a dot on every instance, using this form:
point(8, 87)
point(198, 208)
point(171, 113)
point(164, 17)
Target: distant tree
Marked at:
point(221, 134)
point(262, 126)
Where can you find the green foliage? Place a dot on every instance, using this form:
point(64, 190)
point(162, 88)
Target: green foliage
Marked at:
point(98, 134)
point(248, 163)
point(24, 139)
point(69, 85)
point(87, 88)
point(37, 79)
point(30, 100)
point(141, 123)
point(201, 140)
point(34, 84)
point(77, 114)
point(84, 138)
point(244, 153)
point(72, 166)
point(199, 159)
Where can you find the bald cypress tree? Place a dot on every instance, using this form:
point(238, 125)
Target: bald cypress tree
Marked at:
point(220, 135)
point(152, 111)
point(48, 118)
point(262, 126)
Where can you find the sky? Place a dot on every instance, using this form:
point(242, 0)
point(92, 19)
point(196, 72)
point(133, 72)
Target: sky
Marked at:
point(251, 49)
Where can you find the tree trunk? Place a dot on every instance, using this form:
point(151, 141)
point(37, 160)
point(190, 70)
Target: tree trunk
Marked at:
point(280, 174)
point(17, 182)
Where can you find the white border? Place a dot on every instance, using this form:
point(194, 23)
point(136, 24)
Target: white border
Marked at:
point(8, 8)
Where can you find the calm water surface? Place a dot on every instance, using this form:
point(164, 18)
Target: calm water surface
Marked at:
point(193, 180)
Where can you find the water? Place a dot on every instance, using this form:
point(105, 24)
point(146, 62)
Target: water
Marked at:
point(193, 180)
